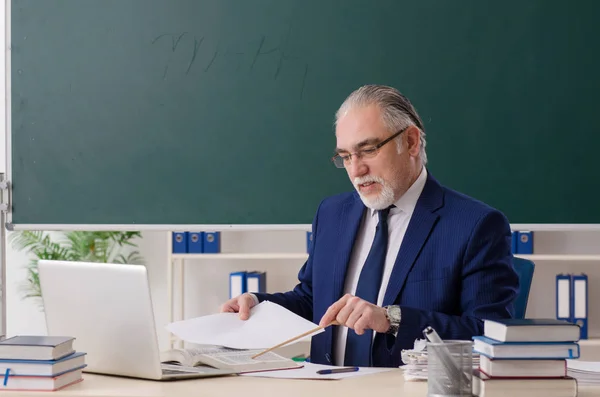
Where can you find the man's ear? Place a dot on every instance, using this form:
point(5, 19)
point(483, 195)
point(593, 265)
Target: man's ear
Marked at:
point(413, 140)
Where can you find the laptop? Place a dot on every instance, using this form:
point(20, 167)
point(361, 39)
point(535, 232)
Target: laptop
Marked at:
point(108, 309)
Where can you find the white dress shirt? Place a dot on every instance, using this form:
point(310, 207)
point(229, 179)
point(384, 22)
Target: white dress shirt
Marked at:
point(398, 220)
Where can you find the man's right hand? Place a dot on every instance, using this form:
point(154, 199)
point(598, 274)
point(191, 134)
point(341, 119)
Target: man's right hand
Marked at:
point(240, 304)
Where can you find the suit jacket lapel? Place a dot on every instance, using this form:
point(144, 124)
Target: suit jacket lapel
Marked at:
point(419, 228)
point(350, 221)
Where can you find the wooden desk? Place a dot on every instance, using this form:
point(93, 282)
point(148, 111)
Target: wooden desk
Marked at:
point(376, 385)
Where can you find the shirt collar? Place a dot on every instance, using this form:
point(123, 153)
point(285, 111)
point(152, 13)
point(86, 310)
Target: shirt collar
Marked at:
point(408, 201)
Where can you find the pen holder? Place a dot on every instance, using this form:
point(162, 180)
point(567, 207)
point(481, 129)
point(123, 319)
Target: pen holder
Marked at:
point(450, 369)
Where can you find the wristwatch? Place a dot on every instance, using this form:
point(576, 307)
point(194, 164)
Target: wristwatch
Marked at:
point(394, 316)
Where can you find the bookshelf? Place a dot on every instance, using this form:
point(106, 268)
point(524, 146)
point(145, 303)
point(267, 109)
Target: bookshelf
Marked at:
point(176, 275)
point(547, 253)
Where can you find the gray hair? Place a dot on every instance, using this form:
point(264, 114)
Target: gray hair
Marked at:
point(397, 111)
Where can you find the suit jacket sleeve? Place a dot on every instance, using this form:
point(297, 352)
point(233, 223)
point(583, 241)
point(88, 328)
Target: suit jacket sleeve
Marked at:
point(489, 287)
point(300, 299)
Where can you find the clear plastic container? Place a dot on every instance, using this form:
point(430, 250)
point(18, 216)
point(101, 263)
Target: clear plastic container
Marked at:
point(450, 369)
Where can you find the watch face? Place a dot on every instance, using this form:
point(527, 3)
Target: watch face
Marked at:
point(394, 316)
point(394, 313)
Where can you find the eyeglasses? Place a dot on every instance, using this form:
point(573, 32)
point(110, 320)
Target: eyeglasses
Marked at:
point(344, 160)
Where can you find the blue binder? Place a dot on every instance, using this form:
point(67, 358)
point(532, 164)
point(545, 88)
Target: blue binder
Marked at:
point(308, 241)
point(525, 243)
point(237, 284)
point(212, 242)
point(513, 245)
point(195, 242)
point(564, 297)
point(256, 282)
point(580, 303)
point(180, 242)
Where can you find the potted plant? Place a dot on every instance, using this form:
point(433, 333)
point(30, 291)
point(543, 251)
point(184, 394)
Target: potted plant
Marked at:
point(85, 246)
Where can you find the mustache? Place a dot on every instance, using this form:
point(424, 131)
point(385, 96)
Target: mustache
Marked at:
point(359, 180)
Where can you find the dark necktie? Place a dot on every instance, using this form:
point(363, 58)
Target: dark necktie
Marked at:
point(358, 347)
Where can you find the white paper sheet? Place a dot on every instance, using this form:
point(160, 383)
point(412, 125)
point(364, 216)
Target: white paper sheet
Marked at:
point(584, 366)
point(309, 371)
point(268, 325)
point(587, 373)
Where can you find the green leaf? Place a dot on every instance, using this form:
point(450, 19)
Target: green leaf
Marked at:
point(85, 246)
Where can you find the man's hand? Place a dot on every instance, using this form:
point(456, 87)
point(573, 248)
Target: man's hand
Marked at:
point(240, 304)
point(358, 314)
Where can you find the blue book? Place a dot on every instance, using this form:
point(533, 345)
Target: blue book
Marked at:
point(42, 383)
point(525, 350)
point(36, 347)
point(531, 330)
point(43, 367)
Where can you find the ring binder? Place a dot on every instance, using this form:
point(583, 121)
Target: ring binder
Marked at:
point(580, 303)
point(564, 304)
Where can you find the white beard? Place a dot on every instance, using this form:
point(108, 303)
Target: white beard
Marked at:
point(384, 199)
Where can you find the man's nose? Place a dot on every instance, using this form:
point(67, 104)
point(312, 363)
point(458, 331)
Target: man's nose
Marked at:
point(357, 168)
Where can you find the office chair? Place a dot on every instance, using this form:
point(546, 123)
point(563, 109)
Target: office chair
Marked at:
point(524, 268)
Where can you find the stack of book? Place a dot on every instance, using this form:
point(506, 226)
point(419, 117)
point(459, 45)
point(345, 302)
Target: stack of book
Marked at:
point(43, 363)
point(526, 357)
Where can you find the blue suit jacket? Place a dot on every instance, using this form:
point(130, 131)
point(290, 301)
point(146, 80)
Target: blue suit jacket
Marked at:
point(453, 269)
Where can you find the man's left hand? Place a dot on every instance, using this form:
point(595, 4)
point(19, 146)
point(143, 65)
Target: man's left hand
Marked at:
point(358, 314)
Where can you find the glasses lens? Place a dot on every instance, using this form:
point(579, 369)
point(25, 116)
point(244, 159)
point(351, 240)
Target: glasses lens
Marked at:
point(369, 152)
point(339, 163)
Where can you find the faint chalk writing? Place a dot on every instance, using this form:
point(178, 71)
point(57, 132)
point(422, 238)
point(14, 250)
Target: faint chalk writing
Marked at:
point(197, 44)
point(239, 55)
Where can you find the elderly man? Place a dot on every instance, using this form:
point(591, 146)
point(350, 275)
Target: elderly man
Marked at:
point(400, 253)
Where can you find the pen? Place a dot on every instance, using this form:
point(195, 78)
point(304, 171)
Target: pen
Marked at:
point(337, 370)
point(432, 336)
point(446, 357)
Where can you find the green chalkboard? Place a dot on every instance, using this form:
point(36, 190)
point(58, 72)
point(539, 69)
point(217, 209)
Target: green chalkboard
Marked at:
point(174, 112)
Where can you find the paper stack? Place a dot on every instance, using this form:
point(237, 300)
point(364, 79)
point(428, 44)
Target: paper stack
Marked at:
point(587, 373)
point(269, 324)
point(44, 363)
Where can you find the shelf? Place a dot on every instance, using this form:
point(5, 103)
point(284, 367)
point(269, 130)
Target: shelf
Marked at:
point(589, 342)
point(557, 227)
point(249, 255)
point(574, 257)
